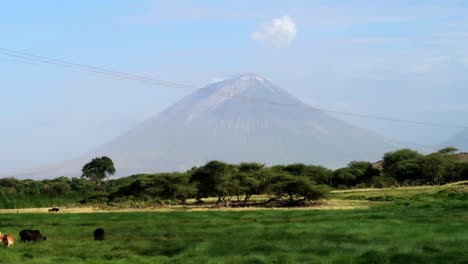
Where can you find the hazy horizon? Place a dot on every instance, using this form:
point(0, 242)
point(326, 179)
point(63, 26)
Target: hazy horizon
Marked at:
point(400, 59)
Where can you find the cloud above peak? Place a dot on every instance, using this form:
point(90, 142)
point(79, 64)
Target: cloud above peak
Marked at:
point(278, 33)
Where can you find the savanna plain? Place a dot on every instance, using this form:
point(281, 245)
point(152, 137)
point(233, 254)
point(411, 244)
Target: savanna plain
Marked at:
point(394, 225)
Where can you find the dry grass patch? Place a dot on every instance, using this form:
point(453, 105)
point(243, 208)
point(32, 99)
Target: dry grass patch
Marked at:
point(332, 204)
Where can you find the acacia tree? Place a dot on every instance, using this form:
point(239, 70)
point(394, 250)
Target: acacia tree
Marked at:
point(209, 177)
point(402, 165)
point(297, 189)
point(249, 184)
point(98, 169)
point(438, 168)
point(448, 151)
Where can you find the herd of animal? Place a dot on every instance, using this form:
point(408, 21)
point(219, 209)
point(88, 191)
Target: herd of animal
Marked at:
point(35, 235)
point(26, 235)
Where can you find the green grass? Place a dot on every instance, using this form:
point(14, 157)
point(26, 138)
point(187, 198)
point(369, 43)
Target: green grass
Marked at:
point(393, 194)
point(14, 201)
point(429, 230)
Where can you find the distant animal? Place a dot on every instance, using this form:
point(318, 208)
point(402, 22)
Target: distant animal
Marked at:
point(54, 209)
point(99, 234)
point(8, 240)
point(28, 235)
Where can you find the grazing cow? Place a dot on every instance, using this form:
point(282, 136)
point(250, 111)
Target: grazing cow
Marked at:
point(28, 235)
point(8, 240)
point(54, 209)
point(99, 234)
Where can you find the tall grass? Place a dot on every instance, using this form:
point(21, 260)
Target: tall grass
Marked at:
point(416, 232)
point(31, 201)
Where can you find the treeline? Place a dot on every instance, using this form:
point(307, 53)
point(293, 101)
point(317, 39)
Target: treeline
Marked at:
point(235, 184)
point(404, 167)
point(16, 193)
point(230, 184)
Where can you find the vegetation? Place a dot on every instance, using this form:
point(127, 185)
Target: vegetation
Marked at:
point(421, 225)
point(98, 169)
point(233, 185)
point(409, 224)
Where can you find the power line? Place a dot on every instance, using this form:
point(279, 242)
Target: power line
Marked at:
point(76, 66)
point(104, 72)
point(149, 80)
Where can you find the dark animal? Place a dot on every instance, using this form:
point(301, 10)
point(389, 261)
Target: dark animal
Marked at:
point(28, 235)
point(99, 234)
point(54, 209)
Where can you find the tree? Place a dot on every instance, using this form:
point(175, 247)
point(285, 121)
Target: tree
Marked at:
point(448, 151)
point(460, 171)
point(295, 169)
point(209, 177)
point(357, 172)
point(250, 166)
point(59, 188)
point(318, 174)
point(185, 191)
point(160, 187)
point(80, 185)
point(227, 187)
point(297, 189)
point(249, 184)
point(438, 168)
point(364, 171)
point(172, 186)
point(98, 169)
point(402, 165)
point(343, 177)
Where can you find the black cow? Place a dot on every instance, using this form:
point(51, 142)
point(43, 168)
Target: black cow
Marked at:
point(99, 234)
point(28, 235)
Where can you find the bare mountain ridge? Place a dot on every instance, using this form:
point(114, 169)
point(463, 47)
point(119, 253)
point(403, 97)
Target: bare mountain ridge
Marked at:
point(242, 119)
point(459, 141)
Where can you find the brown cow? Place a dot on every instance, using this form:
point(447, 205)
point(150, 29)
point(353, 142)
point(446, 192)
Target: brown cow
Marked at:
point(8, 240)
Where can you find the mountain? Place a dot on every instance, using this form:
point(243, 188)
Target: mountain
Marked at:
point(459, 141)
point(241, 119)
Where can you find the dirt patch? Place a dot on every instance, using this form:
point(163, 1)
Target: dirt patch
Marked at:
point(325, 205)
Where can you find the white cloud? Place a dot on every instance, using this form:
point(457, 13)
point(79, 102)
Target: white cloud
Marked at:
point(279, 33)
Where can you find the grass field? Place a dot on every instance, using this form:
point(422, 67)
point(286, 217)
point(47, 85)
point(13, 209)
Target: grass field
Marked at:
point(421, 227)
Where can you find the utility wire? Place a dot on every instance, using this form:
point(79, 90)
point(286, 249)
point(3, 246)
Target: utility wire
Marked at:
point(149, 80)
point(105, 72)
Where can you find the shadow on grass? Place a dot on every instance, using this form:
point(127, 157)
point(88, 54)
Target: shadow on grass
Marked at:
point(378, 257)
point(169, 249)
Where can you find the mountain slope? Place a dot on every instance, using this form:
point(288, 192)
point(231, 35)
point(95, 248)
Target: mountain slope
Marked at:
point(241, 119)
point(459, 141)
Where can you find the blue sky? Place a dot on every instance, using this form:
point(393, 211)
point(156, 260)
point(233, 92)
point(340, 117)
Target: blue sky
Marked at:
point(401, 59)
